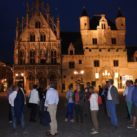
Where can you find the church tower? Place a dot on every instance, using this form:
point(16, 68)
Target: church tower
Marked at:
point(37, 51)
point(120, 21)
point(84, 20)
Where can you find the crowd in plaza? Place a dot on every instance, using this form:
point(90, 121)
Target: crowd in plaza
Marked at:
point(82, 101)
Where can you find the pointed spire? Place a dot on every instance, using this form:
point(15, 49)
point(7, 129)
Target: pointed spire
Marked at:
point(37, 4)
point(27, 7)
point(58, 28)
point(119, 13)
point(47, 8)
point(17, 28)
point(84, 12)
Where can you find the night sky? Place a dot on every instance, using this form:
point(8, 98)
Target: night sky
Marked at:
point(69, 12)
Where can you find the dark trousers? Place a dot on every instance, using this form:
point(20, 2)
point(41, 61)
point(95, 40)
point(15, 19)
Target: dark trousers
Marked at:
point(33, 111)
point(14, 119)
point(79, 113)
point(70, 111)
point(10, 113)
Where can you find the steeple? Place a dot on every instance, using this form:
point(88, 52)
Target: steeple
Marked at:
point(84, 20)
point(37, 4)
point(119, 13)
point(27, 13)
point(84, 12)
point(17, 28)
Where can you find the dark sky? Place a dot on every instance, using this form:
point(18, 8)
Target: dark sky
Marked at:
point(69, 12)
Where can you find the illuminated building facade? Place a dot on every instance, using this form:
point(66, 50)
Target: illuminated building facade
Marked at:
point(43, 54)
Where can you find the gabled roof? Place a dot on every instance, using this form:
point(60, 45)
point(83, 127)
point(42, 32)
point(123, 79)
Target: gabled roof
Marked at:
point(94, 22)
point(71, 37)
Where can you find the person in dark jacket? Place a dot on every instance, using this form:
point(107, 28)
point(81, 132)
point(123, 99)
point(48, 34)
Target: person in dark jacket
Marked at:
point(79, 103)
point(134, 106)
point(112, 101)
point(19, 104)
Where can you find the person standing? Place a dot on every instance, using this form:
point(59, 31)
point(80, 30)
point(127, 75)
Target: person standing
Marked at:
point(51, 102)
point(33, 102)
point(94, 107)
point(17, 101)
point(79, 103)
point(134, 106)
point(129, 97)
point(10, 90)
point(70, 104)
point(112, 101)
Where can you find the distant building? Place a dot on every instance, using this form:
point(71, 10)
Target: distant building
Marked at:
point(6, 76)
point(95, 54)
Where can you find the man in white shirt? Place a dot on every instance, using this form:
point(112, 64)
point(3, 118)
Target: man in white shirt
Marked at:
point(51, 102)
point(33, 102)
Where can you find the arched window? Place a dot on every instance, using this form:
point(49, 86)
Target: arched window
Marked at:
point(37, 25)
point(21, 57)
point(32, 57)
point(42, 57)
point(53, 57)
point(32, 37)
point(42, 38)
point(103, 26)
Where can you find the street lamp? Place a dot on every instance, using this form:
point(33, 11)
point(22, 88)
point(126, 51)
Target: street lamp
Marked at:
point(97, 75)
point(106, 73)
point(79, 73)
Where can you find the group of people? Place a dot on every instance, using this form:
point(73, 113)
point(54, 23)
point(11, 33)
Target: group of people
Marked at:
point(88, 100)
point(46, 101)
point(130, 94)
point(81, 101)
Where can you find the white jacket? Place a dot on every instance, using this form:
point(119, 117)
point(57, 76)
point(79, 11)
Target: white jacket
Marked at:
point(12, 97)
point(34, 96)
point(94, 102)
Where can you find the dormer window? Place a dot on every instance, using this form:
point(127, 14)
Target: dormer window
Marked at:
point(71, 52)
point(37, 25)
point(71, 49)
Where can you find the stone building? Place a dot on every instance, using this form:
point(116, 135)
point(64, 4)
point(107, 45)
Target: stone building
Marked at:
point(6, 76)
point(97, 53)
point(37, 52)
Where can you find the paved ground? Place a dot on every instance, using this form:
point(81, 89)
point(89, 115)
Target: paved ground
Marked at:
point(65, 129)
